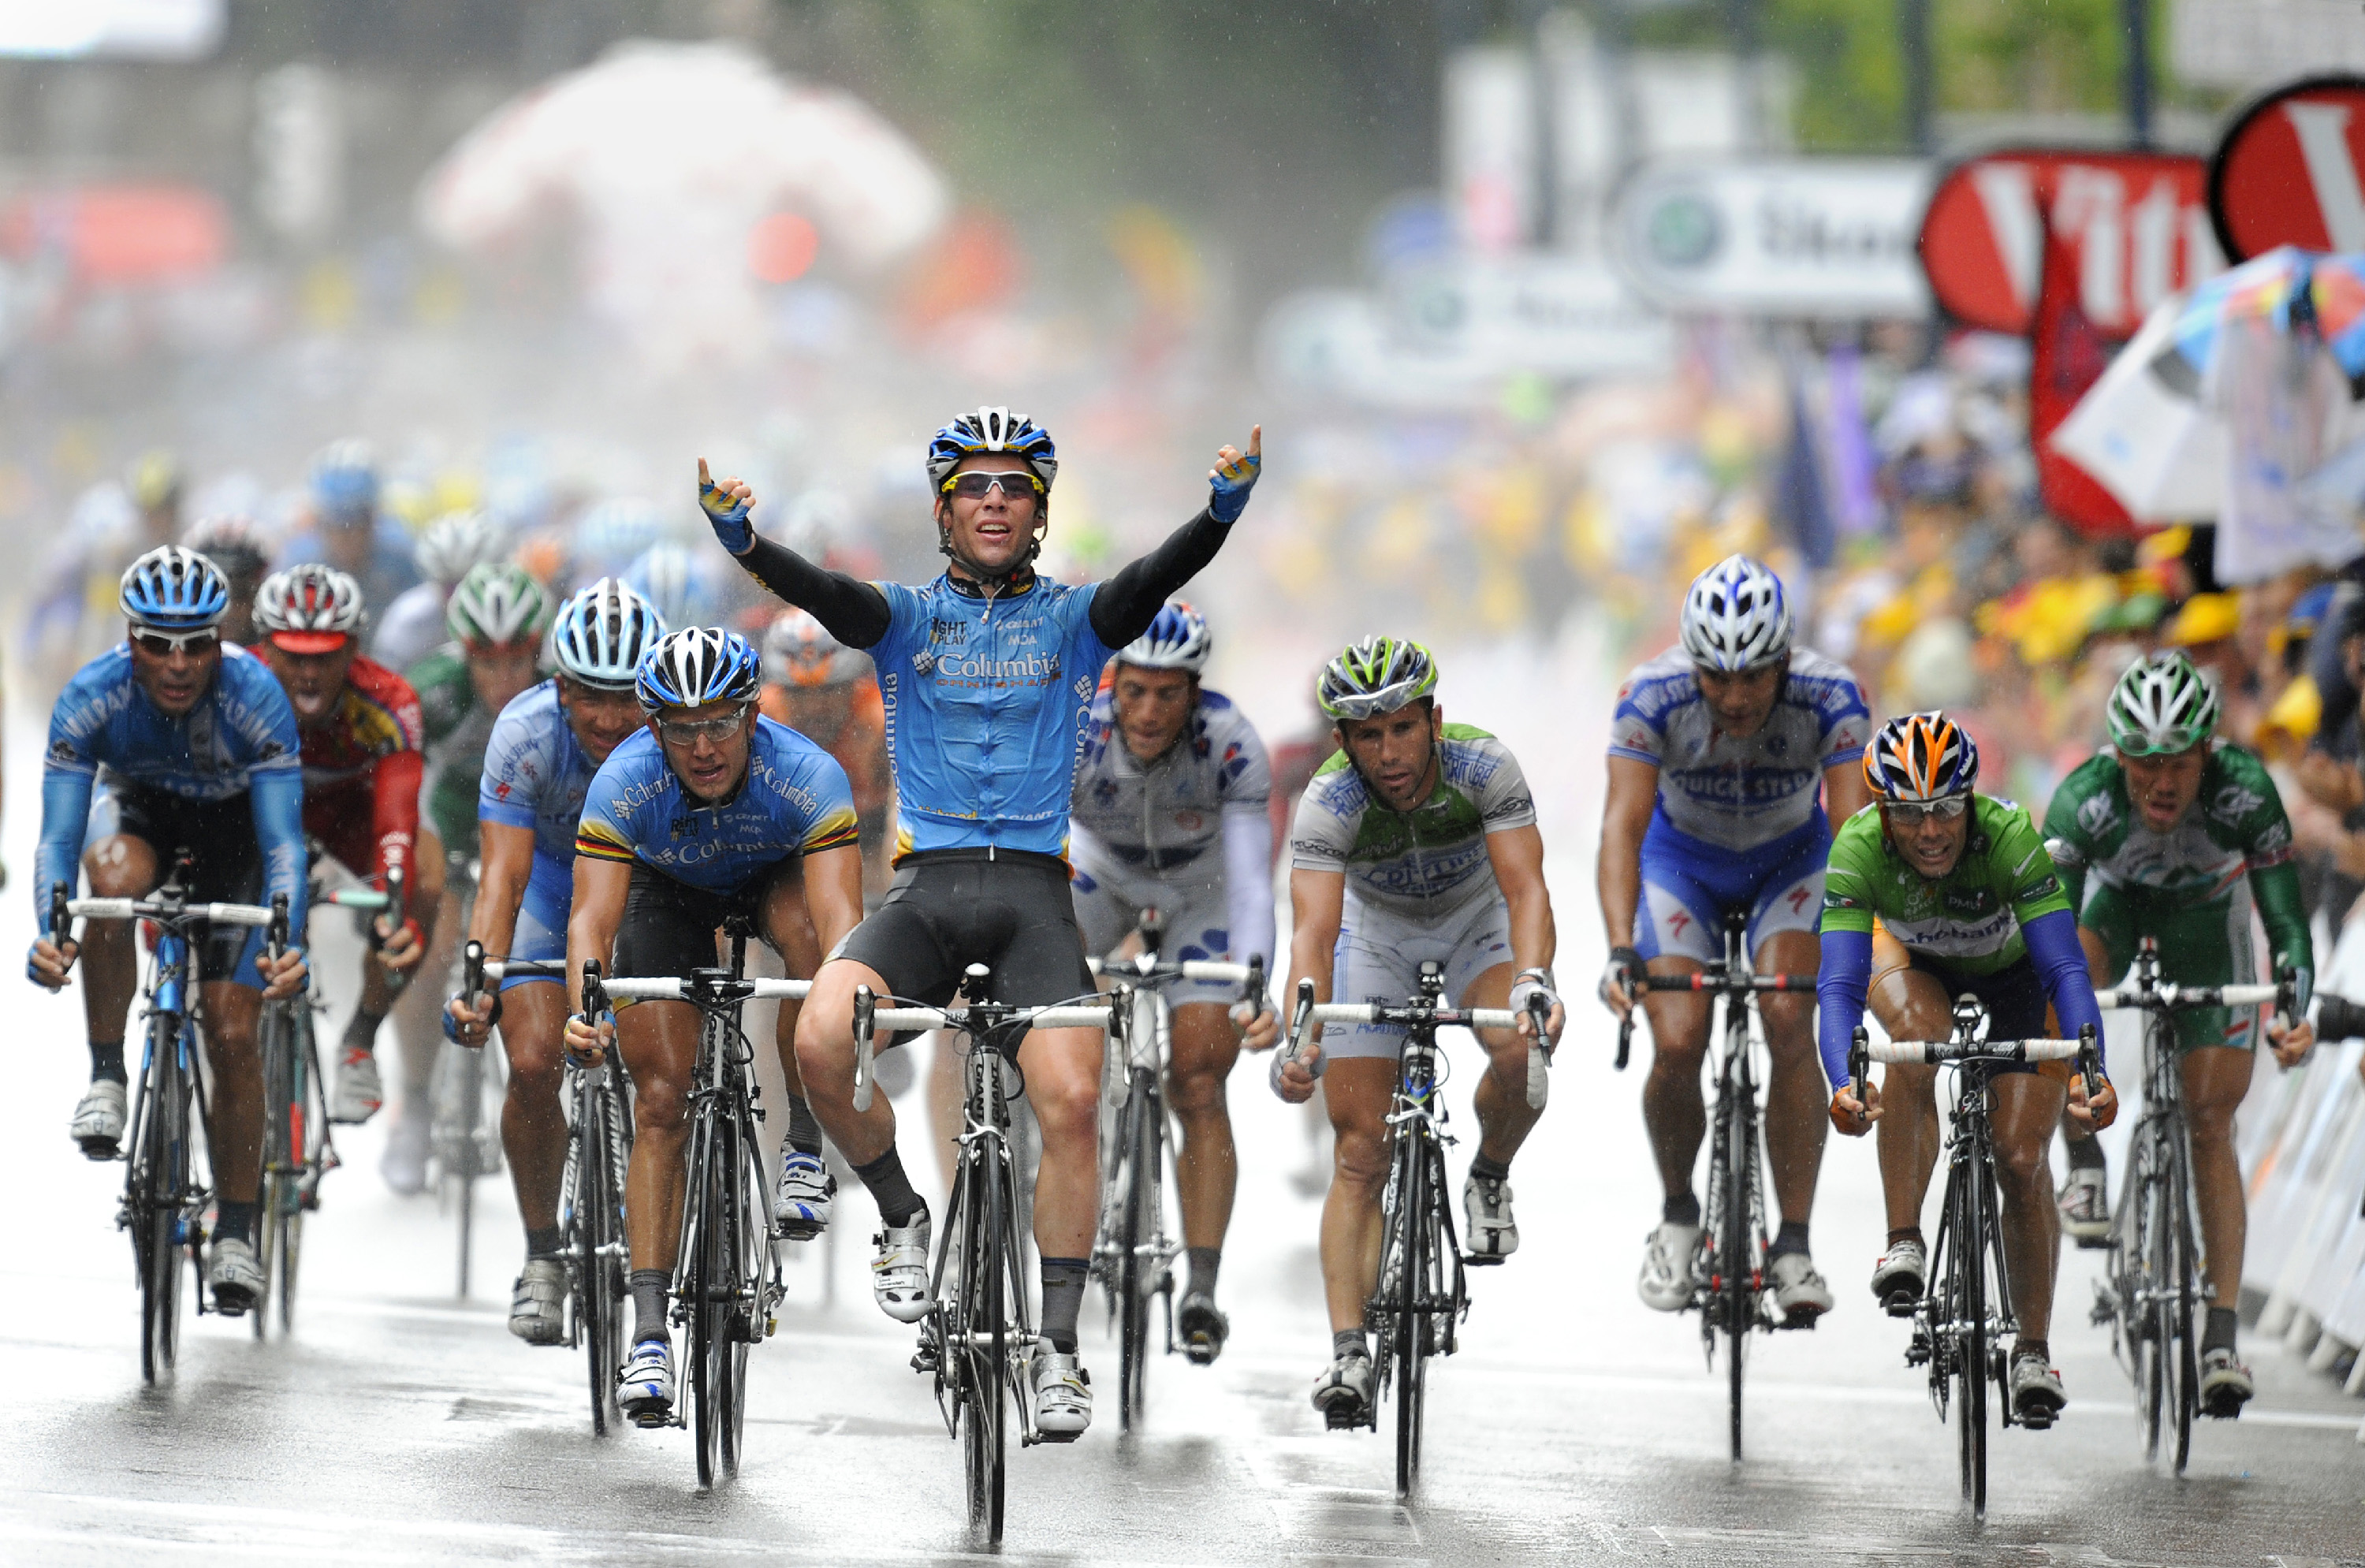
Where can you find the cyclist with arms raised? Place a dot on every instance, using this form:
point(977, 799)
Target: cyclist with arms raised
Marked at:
point(362, 764)
point(199, 749)
point(1717, 748)
point(539, 763)
point(1171, 814)
point(988, 674)
point(2171, 833)
point(710, 811)
point(1966, 900)
point(1417, 841)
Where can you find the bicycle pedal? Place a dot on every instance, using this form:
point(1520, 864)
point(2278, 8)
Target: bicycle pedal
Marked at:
point(2093, 1243)
point(98, 1148)
point(1344, 1417)
point(1481, 1260)
point(1898, 1304)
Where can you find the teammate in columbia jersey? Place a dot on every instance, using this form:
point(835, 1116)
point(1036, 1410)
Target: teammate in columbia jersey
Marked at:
point(1717, 749)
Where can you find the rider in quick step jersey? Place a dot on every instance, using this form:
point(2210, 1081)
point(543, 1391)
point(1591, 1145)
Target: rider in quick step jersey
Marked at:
point(988, 675)
point(362, 764)
point(711, 812)
point(1171, 814)
point(539, 762)
point(2170, 834)
point(199, 749)
point(1416, 842)
point(1933, 891)
point(1722, 753)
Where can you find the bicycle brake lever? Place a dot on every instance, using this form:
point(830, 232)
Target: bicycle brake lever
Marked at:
point(1625, 1039)
point(2089, 1057)
point(865, 1047)
point(1538, 1055)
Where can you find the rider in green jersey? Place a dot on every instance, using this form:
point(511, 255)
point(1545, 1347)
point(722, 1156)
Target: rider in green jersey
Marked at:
point(2170, 834)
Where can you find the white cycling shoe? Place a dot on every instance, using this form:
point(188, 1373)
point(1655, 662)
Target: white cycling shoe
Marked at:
point(1063, 1397)
point(2226, 1383)
point(645, 1383)
point(359, 1091)
point(1799, 1294)
point(2085, 1204)
point(2036, 1393)
point(1343, 1392)
point(899, 1270)
point(1666, 1282)
point(802, 1202)
point(1900, 1276)
point(538, 1302)
point(1492, 1233)
point(407, 1143)
point(237, 1275)
point(98, 1119)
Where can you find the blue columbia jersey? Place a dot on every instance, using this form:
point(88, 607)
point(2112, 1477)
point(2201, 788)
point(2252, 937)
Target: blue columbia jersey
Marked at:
point(987, 701)
point(536, 774)
point(240, 739)
point(795, 800)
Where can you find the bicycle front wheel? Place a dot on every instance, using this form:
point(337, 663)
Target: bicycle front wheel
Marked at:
point(1419, 1245)
point(1975, 1241)
point(160, 1181)
point(1737, 1253)
point(982, 1340)
point(2180, 1286)
point(1137, 1228)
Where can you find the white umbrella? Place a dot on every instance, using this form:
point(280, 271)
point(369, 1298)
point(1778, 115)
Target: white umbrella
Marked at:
point(2150, 444)
point(667, 155)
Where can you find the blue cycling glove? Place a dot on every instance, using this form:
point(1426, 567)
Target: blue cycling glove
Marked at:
point(1229, 487)
point(728, 515)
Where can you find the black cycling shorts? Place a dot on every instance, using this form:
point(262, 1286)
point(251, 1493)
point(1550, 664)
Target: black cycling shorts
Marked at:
point(219, 836)
point(669, 926)
point(952, 908)
point(2013, 996)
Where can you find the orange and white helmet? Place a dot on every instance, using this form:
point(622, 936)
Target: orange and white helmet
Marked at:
point(1920, 757)
point(797, 651)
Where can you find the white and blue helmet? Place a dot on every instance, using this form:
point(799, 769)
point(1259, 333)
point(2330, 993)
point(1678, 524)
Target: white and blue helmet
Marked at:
point(698, 665)
point(603, 632)
point(173, 589)
point(1735, 617)
point(1178, 639)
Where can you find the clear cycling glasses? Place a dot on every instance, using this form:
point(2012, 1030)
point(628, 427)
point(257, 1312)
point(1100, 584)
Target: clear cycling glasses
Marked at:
point(689, 731)
point(1905, 813)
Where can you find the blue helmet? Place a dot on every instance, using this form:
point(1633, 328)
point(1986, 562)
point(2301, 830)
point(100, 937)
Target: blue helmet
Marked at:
point(345, 480)
point(684, 589)
point(603, 632)
point(173, 589)
point(991, 429)
point(698, 665)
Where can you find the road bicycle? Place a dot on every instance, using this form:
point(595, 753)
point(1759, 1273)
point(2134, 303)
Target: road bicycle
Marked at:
point(1732, 1290)
point(465, 1097)
point(2152, 1281)
point(590, 1192)
point(726, 1281)
point(978, 1339)
point(1964, 1315)
point(1421, 1297)
point(1133, 1254)
point(164, 1200)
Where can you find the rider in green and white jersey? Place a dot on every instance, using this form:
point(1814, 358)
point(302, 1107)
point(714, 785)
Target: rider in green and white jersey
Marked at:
point(2171, 833)
point(1935, 891)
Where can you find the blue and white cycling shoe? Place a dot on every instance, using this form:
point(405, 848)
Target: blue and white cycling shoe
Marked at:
point(801, 1203)
point(899, 1270)
point(645, 1384)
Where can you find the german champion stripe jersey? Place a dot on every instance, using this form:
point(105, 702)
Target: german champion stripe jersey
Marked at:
point(794, 800)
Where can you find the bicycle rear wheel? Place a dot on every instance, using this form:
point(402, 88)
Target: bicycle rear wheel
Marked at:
point(599, 1251)
point(1419, 1241)
point(1137, 1226)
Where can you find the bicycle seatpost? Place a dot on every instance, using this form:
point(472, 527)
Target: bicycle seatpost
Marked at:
point(865, 1010)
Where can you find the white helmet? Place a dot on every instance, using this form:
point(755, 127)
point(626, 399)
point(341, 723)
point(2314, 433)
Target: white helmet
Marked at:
point(1735, 617)
point(457, 541)
point(1178, 639)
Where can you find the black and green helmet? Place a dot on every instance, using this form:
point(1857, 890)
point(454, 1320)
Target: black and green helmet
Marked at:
point(1378, 675)
point(2161, 705)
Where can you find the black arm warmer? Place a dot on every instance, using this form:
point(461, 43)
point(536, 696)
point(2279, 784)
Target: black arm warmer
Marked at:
point(853, 612)
point(1130, 601)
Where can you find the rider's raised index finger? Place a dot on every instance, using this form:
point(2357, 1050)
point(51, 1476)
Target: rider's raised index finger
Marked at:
point(703, 476)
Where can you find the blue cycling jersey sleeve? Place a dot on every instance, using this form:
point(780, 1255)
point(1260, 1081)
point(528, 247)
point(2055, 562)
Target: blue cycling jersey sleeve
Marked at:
point(65, 809)
point(278, 803)
point(1840, 986)
point(2061, 963)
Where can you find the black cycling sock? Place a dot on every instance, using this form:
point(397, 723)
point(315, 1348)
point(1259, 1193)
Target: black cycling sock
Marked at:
point(361, 1030)
point(804, 1130)
point(544, 1242)
point(234, 1221)
point(2086, 1153)
point(1351, 1342)
point(107, 1061)
point(2036, 1349)
point(1204, 1261)
point(1791, 1238)
point(649, 1287)
point(1063, 1297)
point(2224, 1323)
point(1910, 1233)
point(897, 1202)
point(1681, 1209)
point(1487, 1170)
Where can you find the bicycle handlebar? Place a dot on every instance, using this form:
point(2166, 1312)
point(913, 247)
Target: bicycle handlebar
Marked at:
point(354, 897)
point(1933, 1052)
point(899, 1019)
point(151, 909)
point(1708, 980)
point(2171, 995)
point(503, 969)
point(672, 988)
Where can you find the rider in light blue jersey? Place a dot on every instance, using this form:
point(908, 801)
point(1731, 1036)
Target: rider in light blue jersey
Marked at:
point(988, 674)
point(539, 762)
point(199, 749)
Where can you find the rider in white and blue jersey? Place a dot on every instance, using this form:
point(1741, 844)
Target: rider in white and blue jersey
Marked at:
point(1722, 754)
point(539, 762)
point(1172, 813)
point(199, 746)
point(988, 675)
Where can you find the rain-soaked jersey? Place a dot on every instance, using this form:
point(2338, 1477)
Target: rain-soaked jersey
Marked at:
point(536, 773)
point(1427, 863)
point(1167, 814)
point(2237, 826)
point(1721, 790)
point(794, 800)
